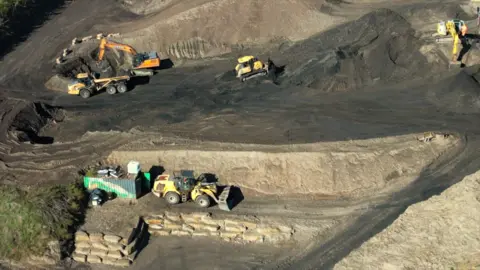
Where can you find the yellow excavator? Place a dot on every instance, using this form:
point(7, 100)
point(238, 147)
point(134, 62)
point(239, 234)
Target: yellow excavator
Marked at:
point(249, 67)
point(452, 28)
point(183, 186)
point(140, 60)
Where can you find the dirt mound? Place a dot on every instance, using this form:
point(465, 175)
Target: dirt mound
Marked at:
point(323, 169)
point(57, 83)
point(440, 233)
point(22, 120)
point(194, 29)
point(380, 46)
point(458, 93)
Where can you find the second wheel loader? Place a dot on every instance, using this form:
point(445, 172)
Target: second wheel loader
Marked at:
point(183, 186)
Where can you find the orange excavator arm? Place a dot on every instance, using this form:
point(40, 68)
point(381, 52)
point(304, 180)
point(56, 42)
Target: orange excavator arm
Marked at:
point(104, 43)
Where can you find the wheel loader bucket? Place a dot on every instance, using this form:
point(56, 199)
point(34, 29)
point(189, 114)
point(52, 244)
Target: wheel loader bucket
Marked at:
point(223, 202)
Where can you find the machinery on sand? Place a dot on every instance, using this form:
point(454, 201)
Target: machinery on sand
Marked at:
point(184, 186)
point(451, 28)
point(86, 84)
point(142, 63)
point(443, 27)
point(249, 67)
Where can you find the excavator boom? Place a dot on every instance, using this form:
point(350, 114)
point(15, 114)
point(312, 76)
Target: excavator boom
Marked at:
point(140, 61)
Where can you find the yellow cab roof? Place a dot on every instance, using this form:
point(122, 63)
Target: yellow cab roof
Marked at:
point(82, 75)
point(244, 59)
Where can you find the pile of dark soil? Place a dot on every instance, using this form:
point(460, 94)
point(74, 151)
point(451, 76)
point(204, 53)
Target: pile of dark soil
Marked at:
point(458, 93)
point(22, 120)
point(380, 46)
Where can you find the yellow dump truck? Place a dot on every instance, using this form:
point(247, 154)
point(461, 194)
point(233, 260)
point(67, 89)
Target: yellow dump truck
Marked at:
point(85, 85)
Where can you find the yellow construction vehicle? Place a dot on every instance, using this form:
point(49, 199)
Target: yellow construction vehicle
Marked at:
point(86, 84)
point(452, 28)
point(184, 186)
point(443, 30)
point(249, 67)
point(139, 61)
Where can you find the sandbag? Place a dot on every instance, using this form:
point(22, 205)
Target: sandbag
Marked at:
point(101, 246)
point(96, 237)
point(98, 252)
point(112, 238)
point(94, 259)
point(115, 255)
point(79, 257)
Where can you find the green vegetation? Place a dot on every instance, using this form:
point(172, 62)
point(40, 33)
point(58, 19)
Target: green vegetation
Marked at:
point(29, 220)
point(7, 5)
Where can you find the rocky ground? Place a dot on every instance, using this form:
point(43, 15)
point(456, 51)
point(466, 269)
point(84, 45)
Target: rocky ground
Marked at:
point(330, 147)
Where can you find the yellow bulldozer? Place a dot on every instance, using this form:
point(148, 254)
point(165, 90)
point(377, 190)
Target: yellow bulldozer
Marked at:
point(183, 186)
point(249, 67)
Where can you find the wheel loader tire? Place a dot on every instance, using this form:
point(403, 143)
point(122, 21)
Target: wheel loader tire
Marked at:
point(203, 201)
point(122, 88)
point(85, 93)
point(111, 90)
point(172, 198)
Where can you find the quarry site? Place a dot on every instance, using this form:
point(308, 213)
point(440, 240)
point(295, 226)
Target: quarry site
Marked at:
point(357, 150)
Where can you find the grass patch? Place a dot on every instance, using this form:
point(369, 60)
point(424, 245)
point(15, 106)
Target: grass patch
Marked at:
point(8, 5)
point(29, 220)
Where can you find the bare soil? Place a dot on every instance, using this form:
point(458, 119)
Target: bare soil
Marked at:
point(329, 169)
point(441, 232)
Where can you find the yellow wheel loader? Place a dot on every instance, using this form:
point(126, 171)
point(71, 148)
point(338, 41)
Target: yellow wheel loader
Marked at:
point(86, 84)
point(249, 67)
point(183, 186)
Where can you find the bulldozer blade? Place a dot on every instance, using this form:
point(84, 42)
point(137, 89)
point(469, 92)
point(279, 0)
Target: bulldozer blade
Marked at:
point(142, 72)
point(223, 202)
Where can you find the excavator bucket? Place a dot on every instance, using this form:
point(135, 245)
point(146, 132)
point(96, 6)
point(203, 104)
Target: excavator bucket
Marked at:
point(223, 202)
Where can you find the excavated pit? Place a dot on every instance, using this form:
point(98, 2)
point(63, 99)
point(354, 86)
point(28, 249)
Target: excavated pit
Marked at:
point(22, 121)
point(332, 169)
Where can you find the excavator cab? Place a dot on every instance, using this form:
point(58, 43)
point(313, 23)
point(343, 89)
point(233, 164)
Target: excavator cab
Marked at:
point(146, 60)
point(443, 27)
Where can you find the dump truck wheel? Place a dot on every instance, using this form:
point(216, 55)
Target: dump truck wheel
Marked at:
point(122, 88)
point(111, 90)
point(203, 201)
point(172, 198)
point(85, 93)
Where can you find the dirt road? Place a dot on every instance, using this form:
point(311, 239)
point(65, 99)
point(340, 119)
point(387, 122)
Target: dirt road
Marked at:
point(206, 103)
